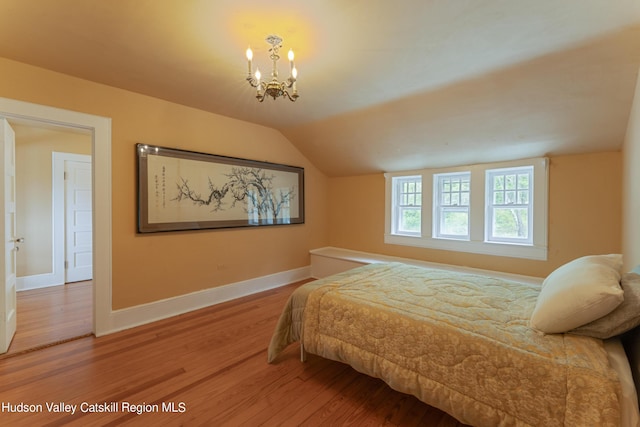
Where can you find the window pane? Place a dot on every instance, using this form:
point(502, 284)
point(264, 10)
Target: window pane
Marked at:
point(455, 223)
point(455, 199)
point(446, 199)
point(510, 197)
point(465, 186)
point(523, 197)
point(510, 182)
point(523, 181)
point(411, 199)
point(455, 185)
point(511, 223)
point(464, 199)
point(498, 183)
point(446, 185)
point(409, 220)
point(498, 198)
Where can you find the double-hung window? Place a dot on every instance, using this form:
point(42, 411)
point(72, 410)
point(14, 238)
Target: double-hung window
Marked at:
point(408, 205)
point(451, 198)
point(509, 205)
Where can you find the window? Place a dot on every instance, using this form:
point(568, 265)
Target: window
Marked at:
point(496, 209)
point(509, 205)
point(408, 205)
point(451, 205)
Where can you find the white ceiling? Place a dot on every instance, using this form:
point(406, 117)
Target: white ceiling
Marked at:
point(383, 85)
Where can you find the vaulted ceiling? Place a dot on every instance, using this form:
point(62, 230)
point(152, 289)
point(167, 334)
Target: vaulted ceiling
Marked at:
point(384, 86)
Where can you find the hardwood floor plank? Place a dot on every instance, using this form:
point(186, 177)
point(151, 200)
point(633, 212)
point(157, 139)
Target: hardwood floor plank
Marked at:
point(212, 361)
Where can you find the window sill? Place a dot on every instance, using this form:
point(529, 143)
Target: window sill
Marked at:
point(484, 248)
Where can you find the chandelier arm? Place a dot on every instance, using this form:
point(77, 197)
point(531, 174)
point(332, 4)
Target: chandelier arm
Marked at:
point(252, 81)
point(291, 98)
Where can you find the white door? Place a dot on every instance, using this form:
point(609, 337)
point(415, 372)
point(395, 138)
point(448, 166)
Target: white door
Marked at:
point(9, 248)
point(78, 225)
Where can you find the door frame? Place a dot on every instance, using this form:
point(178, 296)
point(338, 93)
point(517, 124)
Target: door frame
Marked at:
point(100, 129)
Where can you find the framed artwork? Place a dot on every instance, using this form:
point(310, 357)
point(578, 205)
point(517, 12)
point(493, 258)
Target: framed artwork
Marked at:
point(186, 190)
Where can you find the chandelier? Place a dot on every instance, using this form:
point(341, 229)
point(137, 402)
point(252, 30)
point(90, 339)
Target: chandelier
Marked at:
point(274, 87)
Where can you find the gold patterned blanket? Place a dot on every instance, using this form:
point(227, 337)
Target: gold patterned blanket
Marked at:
point(459, 342)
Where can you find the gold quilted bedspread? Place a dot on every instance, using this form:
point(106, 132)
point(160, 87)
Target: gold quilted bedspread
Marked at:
point(459, 342)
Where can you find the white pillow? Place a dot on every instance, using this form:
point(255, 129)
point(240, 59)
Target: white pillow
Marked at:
point(577, 293)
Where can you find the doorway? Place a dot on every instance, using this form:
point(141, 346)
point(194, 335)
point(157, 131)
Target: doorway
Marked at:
point(100, 130)
point(54, 199)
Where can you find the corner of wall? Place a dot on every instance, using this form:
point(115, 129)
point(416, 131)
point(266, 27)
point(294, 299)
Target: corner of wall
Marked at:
point(631, 186)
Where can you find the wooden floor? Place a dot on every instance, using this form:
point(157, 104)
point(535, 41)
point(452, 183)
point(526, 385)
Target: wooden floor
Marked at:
point(209, 367)
point(53, 314)
point(50, 315)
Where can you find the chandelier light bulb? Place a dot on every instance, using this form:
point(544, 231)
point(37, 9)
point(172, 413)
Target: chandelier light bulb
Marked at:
point(294, 72)
point(258, 75)
point(290, 55)
point(249, 54)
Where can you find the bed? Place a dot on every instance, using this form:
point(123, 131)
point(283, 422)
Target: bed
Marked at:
point(465, 343)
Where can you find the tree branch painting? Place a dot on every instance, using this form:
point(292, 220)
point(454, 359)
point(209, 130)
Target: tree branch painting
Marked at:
point(251, 187)
point(181, 190)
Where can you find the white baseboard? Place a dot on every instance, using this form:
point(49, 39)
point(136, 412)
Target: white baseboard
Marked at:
point(37, 281)
point(146, 313)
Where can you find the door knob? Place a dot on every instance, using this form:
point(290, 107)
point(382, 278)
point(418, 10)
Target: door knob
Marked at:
point(19, 239)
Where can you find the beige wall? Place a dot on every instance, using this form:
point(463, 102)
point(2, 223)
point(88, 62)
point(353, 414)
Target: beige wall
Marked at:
point(631, 187)
point(34, 148)
point(584, 216)
point(152, 267)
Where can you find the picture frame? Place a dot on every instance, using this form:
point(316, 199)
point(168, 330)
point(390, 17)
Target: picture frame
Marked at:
point(188, 190)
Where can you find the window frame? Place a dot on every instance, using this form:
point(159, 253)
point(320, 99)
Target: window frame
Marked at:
point(439, 208)
point(491, 206)
point(477, 243)
point(399, 206)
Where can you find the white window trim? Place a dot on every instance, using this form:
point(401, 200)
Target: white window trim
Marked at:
point(489, 204)
point(476, 244)
point(396, 210)
point(438, 209)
